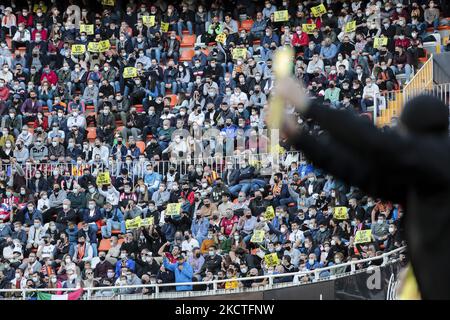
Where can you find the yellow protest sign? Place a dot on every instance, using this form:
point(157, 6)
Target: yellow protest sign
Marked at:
point(271, 260)
point(318, 10)
point(350, 26)
point(147, 222)
point(222, 38)
point(129, 72)
point(233, 284)
point(270, 213)
point(258, 236)
point(363, 236)
point(148, 20)
point(164, 26)
point(87, 28)
point(110, 3)
point(103, 178)
point(133, 223)
point(104, 45)
point(380, 42)
point(173, 209)
point(93, 47)
point(308, 27)
point(78, 49)
point(281, 15)
point(340, 213)
point(239, 53)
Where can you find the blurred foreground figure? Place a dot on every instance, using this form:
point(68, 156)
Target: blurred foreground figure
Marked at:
point(409, 166)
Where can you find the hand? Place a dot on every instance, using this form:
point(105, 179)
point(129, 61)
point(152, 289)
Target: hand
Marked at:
point(286, 87)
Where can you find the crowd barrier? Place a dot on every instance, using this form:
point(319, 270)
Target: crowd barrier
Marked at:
point(157, 290)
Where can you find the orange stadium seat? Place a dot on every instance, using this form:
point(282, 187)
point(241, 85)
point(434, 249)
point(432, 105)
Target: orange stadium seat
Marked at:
point(188, 41)
point(141, 145)
point(173, 99)
point(187, 55)
point(247, 25)
point(92, 133)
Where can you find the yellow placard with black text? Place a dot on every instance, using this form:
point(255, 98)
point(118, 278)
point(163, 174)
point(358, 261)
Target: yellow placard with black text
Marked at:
point(380, 42)
point(340, 213)
point(129, 72)
point(173, 209)
point(271, 260)
point(148, 20)
point(222, 38)
point(363, 236)
point(319, 10)
point(78, 49)
point(282, 15)
point(308, 27)
point(164, 26)
point(258, 236)
point(350, 26)
point(103, 178)
point(239, 53)
point(270, 213)
point(87, 28)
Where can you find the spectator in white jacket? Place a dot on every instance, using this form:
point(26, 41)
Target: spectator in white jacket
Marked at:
point(35, 234)
point(238, 97)
point(111, 195)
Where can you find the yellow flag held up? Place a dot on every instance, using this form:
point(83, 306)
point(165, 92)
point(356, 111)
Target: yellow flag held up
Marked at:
point(270, 213)
point(350, 26)
point(239, 53)
point(319, 10)
point(87, 28)
point(133, 223)
point(78, 49)
point(308, 27)
point(282, 15)
point(363, 236)
point(258, 236)
point(110, 3)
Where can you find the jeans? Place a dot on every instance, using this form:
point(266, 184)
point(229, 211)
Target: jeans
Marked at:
point(157, 53)
point(181, 25)
point(112, 225)
point(227, 67)
point(47, 103)
point(246, 187)
point(407, 70)
point(133, 131)
point(366, 103)
point(173, 88)
point(185, 87)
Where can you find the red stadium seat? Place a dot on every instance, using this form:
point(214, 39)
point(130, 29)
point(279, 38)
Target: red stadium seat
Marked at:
point(92, 133)
point(188, 41)
point(187, 55)
point(247, 25)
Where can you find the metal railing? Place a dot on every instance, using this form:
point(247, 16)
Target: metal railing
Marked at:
point(421, 81)
point(262, 161)
point(212, 287)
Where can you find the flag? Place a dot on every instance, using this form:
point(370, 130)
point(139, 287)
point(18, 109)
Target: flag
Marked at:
point(73, 295)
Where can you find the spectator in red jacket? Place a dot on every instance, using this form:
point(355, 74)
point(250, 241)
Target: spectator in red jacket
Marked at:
point(300, 40)
point(49, 75)
point(39, 29)
point(402, 41)
point(26, 18)
point(4, 96)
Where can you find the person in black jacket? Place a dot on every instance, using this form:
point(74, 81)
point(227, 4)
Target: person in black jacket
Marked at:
point(408, 166)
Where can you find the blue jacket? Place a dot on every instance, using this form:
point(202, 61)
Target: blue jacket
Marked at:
point(97, 216)
point(130, 265)
point(200, 228)
point(329, 52)
point(73, 234)
point(304, 169)
point(152, 180)
point(184, 275)
point(29, 218)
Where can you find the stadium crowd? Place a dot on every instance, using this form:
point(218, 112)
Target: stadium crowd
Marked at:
point(69, 116)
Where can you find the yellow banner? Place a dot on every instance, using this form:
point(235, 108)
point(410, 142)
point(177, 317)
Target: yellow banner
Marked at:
point(222, 38)
point(104, 45)
point(133, 223)
point(103, 178)
point(78, 49)
point(129, 72)
point(93, 47)
point(239, 53)
point(279, 16)
point(308, 27)
point(87, 28)
point(380, 42)
point(164, 26)
point(173, 209)
point(340, 213)
point(318, 10)
point(258, 236)
point(350, 26)
point(147, 222)
point(270, 213)
point(363, 236)
point(148, 20)
point(111, 3)
point(271, 260)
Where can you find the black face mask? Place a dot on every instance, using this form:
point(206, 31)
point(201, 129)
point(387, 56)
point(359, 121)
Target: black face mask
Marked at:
point(102, 258)
point(258, 198)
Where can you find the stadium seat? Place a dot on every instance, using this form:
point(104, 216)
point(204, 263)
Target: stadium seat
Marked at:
point(173, 99)
point(246, 25)
point(90, 108)
point(92, 133)
point(105, 244)
point(141, 145)
point(188, 41)
point(139, 107)
point(187, 55)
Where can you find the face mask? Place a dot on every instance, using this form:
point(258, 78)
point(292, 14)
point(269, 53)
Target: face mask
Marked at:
point(211, 253)
point(37, 225)
point(65, 206)
point(380, 221)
